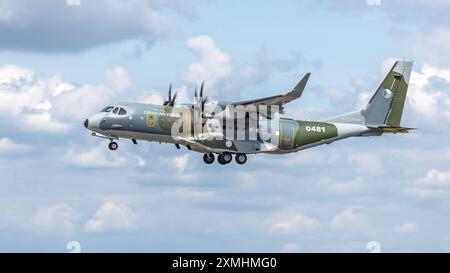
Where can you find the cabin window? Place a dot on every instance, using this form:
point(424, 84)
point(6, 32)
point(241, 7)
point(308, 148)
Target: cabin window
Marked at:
point(115, 110)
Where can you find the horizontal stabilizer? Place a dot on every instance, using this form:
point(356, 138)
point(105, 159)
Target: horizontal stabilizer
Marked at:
point(392, 130)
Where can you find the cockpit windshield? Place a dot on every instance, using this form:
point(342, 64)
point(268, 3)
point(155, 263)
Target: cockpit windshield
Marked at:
point(122, 112)
point(107, 109)
point(115, 110)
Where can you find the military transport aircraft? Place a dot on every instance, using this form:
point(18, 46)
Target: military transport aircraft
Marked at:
point(253, 126)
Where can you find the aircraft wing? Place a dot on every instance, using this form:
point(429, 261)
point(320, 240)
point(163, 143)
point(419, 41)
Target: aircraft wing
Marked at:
point(279, 100)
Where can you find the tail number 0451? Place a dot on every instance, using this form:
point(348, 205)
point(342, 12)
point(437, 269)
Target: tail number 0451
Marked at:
point(317, 129)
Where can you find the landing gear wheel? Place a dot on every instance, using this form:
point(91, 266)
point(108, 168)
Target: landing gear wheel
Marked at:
point(225, 158)
point(208, 158)
point(241, 158)
point(113, 146)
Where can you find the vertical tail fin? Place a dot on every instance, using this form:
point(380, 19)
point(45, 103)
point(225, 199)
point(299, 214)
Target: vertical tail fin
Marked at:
point(385, 108)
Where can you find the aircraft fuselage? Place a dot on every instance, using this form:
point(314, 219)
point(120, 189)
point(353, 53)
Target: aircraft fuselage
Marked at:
point(155, 123)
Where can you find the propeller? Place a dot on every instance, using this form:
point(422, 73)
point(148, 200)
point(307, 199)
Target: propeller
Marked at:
point(203, 100)
point(200, 99)
point(170, 101)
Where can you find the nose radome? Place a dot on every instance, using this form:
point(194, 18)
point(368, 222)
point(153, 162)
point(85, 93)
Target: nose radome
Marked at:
point(86, 123)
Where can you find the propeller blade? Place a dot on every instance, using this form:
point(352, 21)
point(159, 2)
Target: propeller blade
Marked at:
point(201, 89)
point(170, 93)
point(172, 102)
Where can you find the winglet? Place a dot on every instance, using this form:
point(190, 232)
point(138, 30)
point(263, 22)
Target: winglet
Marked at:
point(298, 89)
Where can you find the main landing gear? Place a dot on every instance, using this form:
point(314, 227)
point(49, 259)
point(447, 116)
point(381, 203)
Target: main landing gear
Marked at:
point(241, 159)
point(225, 158)
point(113, 146)
point(208, 158)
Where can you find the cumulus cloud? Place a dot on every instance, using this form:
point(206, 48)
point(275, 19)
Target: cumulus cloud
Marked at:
point(350, 220)
point(92, 23)
point(180, 163)
point(435, 185)
point(111, 216)
point(406, 227)
point(428, 93)
point(222, 77)
point(98, 157)
point(428, 98)
point(290, 247)
point(330, 185)
point(190, 194)
point(117, 78)
point(367, 164)
point(436, 178)
point(152, 97)
point(433, 5)
point(58, 217)
point(8, 146)
point(423, 193)
point(291, 221)
point(213, 65)
point(31, 102)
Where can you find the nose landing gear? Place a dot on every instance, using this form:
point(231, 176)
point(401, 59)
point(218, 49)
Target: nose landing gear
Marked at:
point(113, 146)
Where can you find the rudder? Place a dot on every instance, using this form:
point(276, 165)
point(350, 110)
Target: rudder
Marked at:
point(385, 108)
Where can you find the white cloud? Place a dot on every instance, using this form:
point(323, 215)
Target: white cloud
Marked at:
point(117, 78)
point(14, 76)
point(112, 217)
point(431, 4)
point(222, 77)
point(363, 99)
point(367, 164)
point(151, 97)
point(406, 227)
point(58, 217)
point(423, 193)
point(330, 185)
point(8, 146)
point(350, 220)
point(434, 186)
point(432, 43)
point(248, 179)
point(180, 163)
point(141, 20)
point(290, 247)
point(32, 103)
point(428, 97)
point(213, 65)
point(98, 157)
point(425, 98)
point(387, 65)
point(190, 194)
point(436, 178)
point(290, 221)
point(373, 2)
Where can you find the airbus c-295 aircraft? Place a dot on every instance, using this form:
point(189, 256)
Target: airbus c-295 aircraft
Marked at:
point(250, 127)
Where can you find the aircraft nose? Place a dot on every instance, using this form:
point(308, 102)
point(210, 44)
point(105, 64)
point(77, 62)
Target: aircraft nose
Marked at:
point(86, 123)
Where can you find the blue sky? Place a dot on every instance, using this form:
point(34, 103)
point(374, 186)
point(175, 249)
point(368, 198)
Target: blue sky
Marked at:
point(61, 61)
